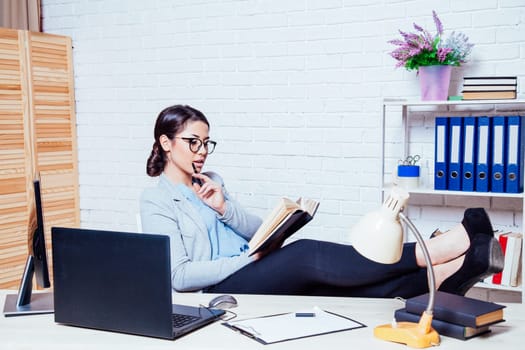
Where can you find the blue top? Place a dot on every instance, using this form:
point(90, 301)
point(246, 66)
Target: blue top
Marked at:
point(225, 242)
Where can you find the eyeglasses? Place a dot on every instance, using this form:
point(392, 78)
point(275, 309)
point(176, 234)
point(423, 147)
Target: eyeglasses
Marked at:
point(195, 144)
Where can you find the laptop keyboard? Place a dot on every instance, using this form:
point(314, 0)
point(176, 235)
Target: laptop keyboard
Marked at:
point(181, 320)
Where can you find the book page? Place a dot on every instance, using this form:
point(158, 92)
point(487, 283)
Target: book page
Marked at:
point(308, 205)
point(257, 244)
point(515, 271)
point(272, 221)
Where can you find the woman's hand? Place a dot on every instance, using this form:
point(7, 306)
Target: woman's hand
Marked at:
point(257, 256)
point(210, 193)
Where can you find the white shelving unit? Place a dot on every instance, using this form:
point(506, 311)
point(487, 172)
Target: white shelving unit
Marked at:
point(404, 109)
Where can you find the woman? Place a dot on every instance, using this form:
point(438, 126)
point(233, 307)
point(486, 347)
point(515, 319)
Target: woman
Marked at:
point(209, 232)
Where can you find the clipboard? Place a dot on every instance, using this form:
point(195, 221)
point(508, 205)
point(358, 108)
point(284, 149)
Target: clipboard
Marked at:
point(278, 328)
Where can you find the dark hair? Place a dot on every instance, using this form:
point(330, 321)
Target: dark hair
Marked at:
point(170, 122)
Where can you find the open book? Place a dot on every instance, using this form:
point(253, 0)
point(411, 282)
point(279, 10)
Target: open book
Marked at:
point(284, 220)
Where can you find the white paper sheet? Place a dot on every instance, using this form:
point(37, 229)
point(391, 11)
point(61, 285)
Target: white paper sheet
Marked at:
point(281, 327)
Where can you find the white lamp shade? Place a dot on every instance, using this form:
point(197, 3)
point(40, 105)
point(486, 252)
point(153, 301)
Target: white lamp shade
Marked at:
point(378, 238)
point(379, 235)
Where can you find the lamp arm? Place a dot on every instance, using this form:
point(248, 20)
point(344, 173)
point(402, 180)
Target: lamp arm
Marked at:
point(430, 269)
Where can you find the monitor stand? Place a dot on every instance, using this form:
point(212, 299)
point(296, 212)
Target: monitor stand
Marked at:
point(41, 303)
point(26, 302)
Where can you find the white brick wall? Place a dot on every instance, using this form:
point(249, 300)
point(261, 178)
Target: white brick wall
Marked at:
point(292, 89)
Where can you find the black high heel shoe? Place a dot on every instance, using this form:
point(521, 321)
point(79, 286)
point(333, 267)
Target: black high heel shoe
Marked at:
point(476, 221)
point(482, 259)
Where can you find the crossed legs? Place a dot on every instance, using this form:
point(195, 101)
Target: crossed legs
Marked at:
point(446, 252)
point(464, 255)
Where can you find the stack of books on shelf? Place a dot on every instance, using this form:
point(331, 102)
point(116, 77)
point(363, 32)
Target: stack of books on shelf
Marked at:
point(511, 244)
point(490, 88)
point(455, 316)
point(479, 153)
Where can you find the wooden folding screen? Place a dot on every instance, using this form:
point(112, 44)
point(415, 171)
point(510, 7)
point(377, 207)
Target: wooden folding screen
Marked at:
point(37, 136)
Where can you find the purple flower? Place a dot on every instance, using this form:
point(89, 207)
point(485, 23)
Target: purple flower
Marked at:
point(418, 28)
point(396, 42)
point(437, 21)
point(429, 38)
point(442, 53)
point(422, 48)
point(409, 36)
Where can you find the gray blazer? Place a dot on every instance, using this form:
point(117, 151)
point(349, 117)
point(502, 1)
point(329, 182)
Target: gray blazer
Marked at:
point(165, 210)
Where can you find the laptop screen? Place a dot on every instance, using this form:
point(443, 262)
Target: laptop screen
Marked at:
point(113, 281)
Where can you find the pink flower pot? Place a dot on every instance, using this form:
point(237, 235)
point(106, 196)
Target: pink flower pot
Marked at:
point(434, 81)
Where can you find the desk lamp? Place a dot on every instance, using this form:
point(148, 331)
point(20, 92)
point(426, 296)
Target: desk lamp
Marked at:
point(379, 237)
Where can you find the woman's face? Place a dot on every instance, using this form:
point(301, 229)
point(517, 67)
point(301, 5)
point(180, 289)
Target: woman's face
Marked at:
point(187, 148)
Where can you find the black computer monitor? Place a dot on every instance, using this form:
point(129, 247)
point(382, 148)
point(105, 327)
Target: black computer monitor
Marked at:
point(26, 302)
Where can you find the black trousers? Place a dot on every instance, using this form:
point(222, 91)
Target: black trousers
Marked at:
point(310, 267)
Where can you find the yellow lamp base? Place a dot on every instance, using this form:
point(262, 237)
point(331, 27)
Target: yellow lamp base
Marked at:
point(416, 335)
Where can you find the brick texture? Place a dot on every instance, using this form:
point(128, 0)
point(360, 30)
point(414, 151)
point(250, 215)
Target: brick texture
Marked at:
point(293, 90)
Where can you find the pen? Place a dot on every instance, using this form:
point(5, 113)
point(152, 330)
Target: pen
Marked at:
point(194, 180)
point(243, 332)
point(304, 314)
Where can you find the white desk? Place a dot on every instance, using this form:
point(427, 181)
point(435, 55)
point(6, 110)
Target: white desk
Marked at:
point(40, 331)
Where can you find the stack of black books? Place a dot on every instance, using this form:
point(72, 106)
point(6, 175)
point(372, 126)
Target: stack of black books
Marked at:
point(490, 88)
point(454, 315)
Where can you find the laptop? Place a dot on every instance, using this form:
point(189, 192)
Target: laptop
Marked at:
point(121, 282)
